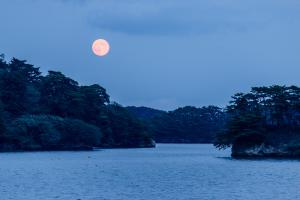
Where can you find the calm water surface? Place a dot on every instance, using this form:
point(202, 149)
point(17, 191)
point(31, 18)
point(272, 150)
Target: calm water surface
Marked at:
point(168, 172)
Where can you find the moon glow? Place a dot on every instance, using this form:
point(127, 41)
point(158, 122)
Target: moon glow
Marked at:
point(100, 47)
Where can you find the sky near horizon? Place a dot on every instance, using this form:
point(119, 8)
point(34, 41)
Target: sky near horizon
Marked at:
point(164, 53)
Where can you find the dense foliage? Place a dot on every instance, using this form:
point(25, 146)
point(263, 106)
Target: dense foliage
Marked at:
point(183, 125)
point(265, 115)
point(54, 112)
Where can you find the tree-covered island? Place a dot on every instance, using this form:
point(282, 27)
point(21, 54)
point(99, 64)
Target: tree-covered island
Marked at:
point(263, 123)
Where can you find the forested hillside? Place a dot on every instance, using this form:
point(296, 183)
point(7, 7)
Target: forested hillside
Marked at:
point(183, 125)
point(54, 112)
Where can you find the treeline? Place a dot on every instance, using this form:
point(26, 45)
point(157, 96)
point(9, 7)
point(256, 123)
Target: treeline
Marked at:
point(54, 112)
point(183, 125)
point(266, 115)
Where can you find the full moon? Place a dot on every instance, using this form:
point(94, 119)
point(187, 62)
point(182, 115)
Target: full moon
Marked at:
point(100, 47)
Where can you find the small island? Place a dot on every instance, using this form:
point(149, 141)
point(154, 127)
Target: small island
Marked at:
point(263, 123)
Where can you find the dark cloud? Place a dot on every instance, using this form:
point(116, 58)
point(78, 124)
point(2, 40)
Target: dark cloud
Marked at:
point(166, 19)
point(176, 17)
point(157, 25)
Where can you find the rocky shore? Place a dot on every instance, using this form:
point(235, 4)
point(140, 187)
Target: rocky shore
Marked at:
point(263, 150)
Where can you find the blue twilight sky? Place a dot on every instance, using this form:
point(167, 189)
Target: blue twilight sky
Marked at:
point(164, 53)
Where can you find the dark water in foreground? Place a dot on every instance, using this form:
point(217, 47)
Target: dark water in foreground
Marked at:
point(169, 172)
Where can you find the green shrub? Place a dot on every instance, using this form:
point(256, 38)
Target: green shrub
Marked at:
point(34, 132)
